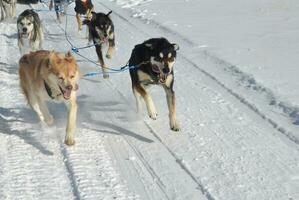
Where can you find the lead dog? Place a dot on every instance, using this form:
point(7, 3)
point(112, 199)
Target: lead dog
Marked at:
point(153, 65)
point(101, 31)
point(30, 32)
point(7, 9)
point(48, 75)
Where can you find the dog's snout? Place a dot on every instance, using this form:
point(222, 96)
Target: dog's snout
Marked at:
point(24, 29)
point(166, 70)
point(69, 87)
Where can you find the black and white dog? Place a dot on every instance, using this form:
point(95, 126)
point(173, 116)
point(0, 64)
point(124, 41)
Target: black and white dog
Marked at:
point(101, 31)
point(7, 9)
point(153, 62)
point(30, 32)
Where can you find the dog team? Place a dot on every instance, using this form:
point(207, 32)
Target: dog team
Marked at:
point(49, 75)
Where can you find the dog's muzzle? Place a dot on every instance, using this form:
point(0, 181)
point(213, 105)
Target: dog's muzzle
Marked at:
point(162, 74)
point(66, 93)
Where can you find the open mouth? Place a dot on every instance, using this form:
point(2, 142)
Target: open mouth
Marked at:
point(66, 93)
point(25, 34)
point(162, 78)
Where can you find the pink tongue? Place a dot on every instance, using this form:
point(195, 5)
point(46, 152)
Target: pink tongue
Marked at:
point(67, 94)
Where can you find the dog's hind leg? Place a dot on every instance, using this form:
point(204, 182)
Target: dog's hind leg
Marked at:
point(151, 109)
point(170, 97)
point(71, 124)
point(101, 60)
point(79, 21)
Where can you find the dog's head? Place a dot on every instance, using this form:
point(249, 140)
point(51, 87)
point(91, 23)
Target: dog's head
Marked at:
point(102, 24)
point(27, 23)
point(64, 71)
point(163, 55)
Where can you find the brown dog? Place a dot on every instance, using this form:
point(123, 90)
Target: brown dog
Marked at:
point(48, 75)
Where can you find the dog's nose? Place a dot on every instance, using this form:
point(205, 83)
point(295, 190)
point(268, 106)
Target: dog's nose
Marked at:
point(69, 87)
point(165, 70)
point(24, 29)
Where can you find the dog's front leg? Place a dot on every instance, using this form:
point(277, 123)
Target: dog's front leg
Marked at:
point(71, 124)
point(170, 96)
point(79, 21)
point(101, 60)
point(151, 109)
point(48, 118)
point(111, 47)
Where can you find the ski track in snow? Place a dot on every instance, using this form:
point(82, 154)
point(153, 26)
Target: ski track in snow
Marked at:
point(225, 150)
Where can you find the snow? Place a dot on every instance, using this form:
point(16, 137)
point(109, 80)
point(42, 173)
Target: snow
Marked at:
point(239, 137)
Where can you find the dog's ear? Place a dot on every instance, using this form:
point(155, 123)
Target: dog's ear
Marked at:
point(68, 54)
point(149, 45)
point(109, 13)
point(175, 46)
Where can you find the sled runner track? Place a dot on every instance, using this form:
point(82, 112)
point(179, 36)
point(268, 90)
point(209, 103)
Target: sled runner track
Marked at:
point(144, 162)
point(283, 130)
point(182, 166)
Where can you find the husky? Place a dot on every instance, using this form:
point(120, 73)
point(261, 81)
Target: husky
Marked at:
point(83, 7)
point(30, 31)
point(7, 9)
point(101, 31)
point(60, 7)
point(153, 62)
point(48, 75)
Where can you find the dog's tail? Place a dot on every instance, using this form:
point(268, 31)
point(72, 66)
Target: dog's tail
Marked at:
point(109, 13)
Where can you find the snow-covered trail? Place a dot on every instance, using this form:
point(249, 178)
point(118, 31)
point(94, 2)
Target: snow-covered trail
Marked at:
point(224, 151)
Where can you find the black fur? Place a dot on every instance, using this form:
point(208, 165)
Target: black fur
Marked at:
point(143, 52)
point(101, 22)
point(153, 64)
point(82, 8)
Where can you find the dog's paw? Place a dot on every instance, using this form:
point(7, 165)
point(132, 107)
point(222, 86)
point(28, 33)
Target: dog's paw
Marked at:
point(175, 128)
point(108, 56)
point(105, 76)
point(153, 115)
point(69, 142)
point(49, 120)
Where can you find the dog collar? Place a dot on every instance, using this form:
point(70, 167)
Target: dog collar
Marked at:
point(49, 91)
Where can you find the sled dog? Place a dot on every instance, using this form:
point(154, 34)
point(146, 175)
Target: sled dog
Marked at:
point(48, 75)
point(83, 7)
point(30, 32)
point(60, 7)
point(153, 61)
point(101, 31)
point(7, 9)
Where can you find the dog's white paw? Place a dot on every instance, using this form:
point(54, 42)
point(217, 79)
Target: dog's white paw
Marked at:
point(175, 127)
point(153, 115)
point(49, 120)
point(69, 142)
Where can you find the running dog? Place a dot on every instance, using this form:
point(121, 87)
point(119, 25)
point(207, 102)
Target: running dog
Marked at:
point(48, 75)
point(101, 31)
point(60, 7)
point(30, 32)
point(153, 62)
point(7, 9)
point(83, 7)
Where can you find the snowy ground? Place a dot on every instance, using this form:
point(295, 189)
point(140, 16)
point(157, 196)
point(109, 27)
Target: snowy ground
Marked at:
point(234, 144)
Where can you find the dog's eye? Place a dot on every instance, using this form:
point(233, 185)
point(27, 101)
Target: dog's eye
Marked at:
point(72, 76)
point(22, 24)
point(29, 24)
point(61, 78)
